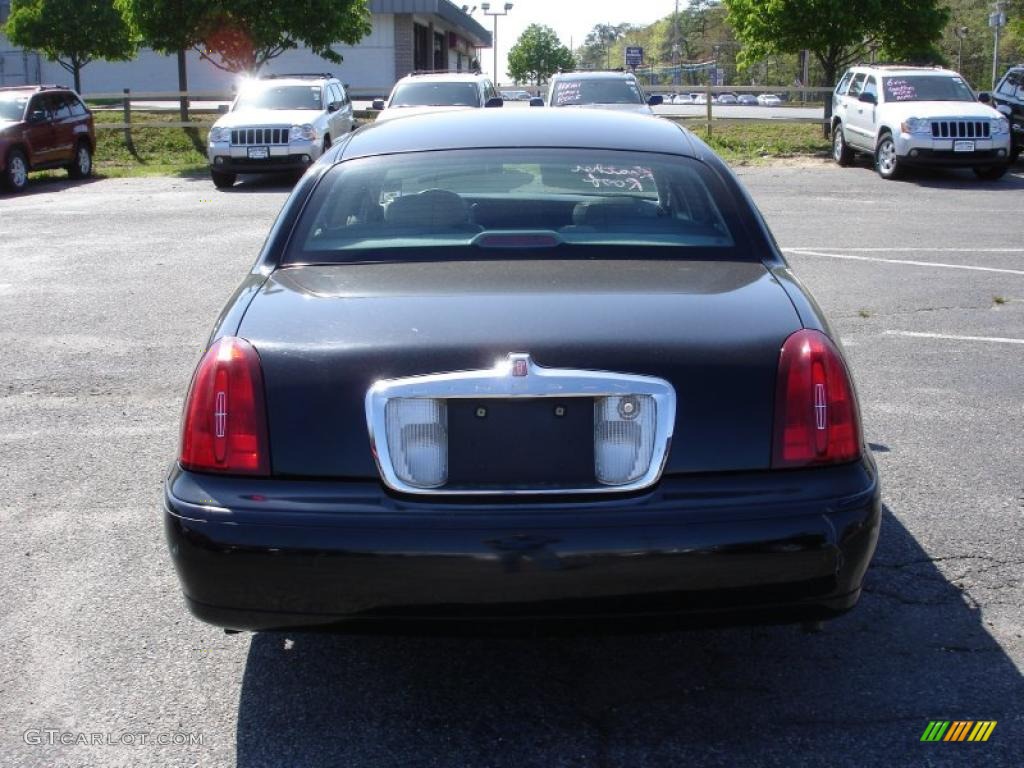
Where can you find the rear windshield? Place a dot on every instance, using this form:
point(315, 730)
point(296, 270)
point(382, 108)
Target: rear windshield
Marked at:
point(282, 97)
point(926, 88)
point(569, 92)
point(12, 106)
point(544, 198)
point(436, 95)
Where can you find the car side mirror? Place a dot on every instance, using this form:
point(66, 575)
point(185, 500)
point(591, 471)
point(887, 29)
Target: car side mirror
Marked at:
point(332, 107)
point(37, 116)
point(377, 104)
point(868, 98)
point(536, 101)
point(655, 100)
point(495, 101)
point(985, 97)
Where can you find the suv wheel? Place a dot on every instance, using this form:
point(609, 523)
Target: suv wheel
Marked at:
point(991, 172)
point(841, 153)
point(223, 180)
point(16, 175)
point(81, 168)
point(887, 163)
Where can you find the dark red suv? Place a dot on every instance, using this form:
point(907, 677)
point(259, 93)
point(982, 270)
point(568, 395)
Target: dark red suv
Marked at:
point(43, 126)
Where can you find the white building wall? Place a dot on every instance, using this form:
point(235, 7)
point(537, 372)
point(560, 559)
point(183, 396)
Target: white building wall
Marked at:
point(369, 67)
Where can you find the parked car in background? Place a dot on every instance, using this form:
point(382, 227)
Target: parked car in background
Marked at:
point(699, 98)
point(619, 91)
point(928, 116)
point(769, 100)
point(419, 94)
point(520, 365)
point(747, 99)
point(1008, 98)
point(279, 124)
point(43, 127)
point(727, 98)
point(516, 95)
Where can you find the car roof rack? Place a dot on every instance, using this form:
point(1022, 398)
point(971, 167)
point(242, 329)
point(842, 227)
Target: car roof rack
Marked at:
point(297, 75)
point(34, 87)
point(418, 72)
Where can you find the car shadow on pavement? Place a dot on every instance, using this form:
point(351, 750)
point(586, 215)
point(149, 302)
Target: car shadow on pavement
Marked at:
point(269, 182)
point(48, 184)
point(861, 692)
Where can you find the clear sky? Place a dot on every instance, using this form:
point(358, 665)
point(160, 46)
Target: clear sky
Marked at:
point(571, 19)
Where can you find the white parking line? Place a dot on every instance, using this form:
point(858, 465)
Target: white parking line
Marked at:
point(951, 337)
point(905, 262)
point(901, 249)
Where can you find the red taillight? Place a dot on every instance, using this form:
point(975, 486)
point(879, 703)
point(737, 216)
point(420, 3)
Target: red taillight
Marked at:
point(816, 419)
point(224, 428)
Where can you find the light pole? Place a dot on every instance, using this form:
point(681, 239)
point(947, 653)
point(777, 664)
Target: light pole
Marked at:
point(486, 7)
point(961, 33)
point(997, 21)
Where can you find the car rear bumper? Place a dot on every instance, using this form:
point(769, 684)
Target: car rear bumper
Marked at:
point(763, 547)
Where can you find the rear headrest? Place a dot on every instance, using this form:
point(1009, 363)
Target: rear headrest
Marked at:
point(430, 209)
point(606, 212)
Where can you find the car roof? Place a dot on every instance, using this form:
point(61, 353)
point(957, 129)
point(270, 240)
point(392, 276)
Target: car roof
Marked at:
point(898, 69)
point(271, 81)
point(597, 75)
point(513, 128)
point(468, 77)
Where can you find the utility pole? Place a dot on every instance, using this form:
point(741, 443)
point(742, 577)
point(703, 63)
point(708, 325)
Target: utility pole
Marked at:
point(676, 76)
point(997, 21)
point(486, 7)
point(961, 33)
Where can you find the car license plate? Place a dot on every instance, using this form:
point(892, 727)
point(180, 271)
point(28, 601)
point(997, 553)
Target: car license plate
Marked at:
point(262, 153)
point(963, 146)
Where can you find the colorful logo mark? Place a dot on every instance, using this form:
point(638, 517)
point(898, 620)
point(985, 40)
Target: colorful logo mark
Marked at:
point(958, 730)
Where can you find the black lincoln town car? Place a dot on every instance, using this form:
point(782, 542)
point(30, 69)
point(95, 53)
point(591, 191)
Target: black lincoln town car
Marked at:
point(528, 365)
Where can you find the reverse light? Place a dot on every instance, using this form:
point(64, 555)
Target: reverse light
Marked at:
point(302, 133)
point(224, 428)
point(816, 416)
point(624, 430)
point(417, 435)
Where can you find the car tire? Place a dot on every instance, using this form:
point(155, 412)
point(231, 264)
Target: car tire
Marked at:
point(841, 151)
point(81, 166)
point(16, 173)
point(223, 180)
point(887, 163)
point(990, 172)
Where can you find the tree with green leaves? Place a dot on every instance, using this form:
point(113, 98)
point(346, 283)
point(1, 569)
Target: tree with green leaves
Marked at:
point(597, 47)
point(243, 35)
point(168, 26)
point(71, 32)
point(538, 54)
point(838, 32)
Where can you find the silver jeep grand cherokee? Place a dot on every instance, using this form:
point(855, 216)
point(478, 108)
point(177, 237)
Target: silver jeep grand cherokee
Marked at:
point(279, 123)
point(917, 116)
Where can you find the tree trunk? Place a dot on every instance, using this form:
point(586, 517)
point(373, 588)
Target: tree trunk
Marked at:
point(78, 76)
point(182, 86)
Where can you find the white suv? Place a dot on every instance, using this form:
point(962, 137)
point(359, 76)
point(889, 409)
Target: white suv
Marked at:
point(279, 123)
point(422, 92)
point(907, 116)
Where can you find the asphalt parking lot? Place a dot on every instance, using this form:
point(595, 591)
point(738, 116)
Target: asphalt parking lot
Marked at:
point(108, 291)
